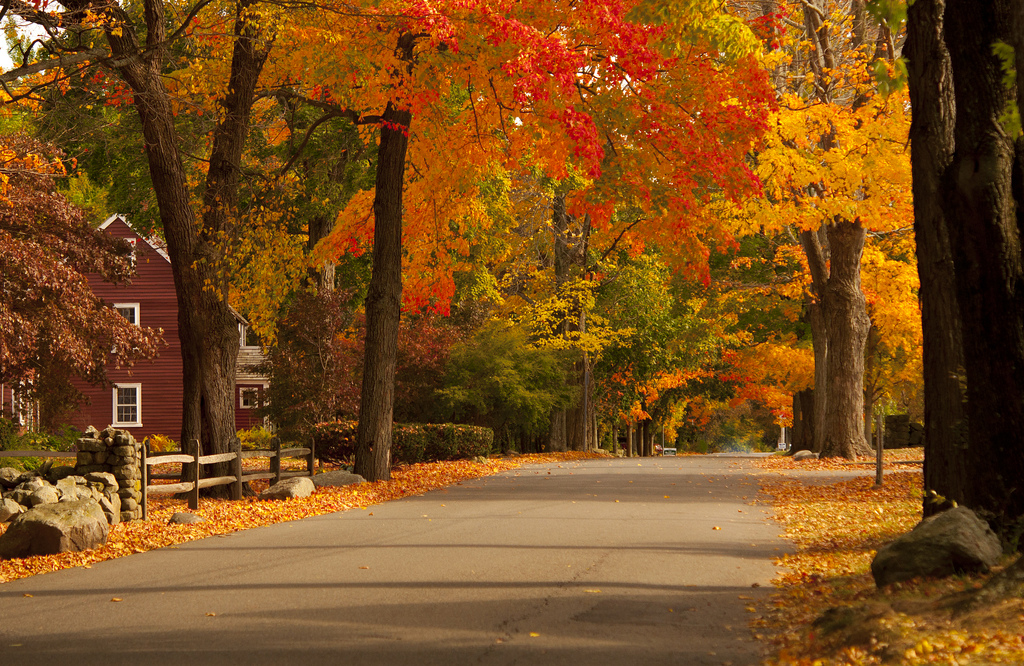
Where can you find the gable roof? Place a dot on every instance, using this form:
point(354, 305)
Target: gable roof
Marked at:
point(154, 242)
point(160, 248)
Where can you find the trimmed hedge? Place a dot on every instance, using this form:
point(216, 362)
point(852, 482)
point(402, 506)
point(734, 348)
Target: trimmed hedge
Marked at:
point(410, 442)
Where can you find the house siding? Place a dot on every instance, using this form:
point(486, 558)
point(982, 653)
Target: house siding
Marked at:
point(160, 378)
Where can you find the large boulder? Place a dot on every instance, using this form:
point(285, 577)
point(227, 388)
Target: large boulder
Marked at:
point(49, 529)
point(337, 478)
point(297, 486)
point(951, 542)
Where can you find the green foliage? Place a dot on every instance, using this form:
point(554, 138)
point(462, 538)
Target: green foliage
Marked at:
point(1010, 119)
point(11, 439)
point(500, 380)
point(256, 437)
point(410, 443)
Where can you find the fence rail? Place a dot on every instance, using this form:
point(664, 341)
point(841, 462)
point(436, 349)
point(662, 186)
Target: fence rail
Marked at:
point(195, 483)
point(37, 454)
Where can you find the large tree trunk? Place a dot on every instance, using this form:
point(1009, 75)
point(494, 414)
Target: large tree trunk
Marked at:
point(847, 324)
point(984, 210)
point(207, 329)
point(931, 151)
point(384, 301)
point(842, 328)
point(803, 421)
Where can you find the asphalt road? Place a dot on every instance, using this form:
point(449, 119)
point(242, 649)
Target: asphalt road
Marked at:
point(599, 562)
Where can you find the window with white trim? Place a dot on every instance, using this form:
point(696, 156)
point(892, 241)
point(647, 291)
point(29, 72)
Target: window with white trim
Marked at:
point(128, 405)
point(129, 311)
point(248, 397)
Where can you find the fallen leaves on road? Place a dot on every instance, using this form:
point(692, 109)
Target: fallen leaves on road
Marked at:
point(224, 517)
point(892, 460)
point(837, 529)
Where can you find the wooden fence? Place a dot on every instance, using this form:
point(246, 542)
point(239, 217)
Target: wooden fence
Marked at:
point(235, 456)
point(37, 454)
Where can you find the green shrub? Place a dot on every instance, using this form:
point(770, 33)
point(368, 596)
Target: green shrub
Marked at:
point(410, 443)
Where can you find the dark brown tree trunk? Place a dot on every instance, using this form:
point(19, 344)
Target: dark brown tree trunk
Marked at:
point(383, 301)
point(207, 329)
point(320, 227)
point(803, 421)
point(931, 151)
point(984, 206)
point(629, 440)
point(815, 245)
point(847, 323)
point(556, 435)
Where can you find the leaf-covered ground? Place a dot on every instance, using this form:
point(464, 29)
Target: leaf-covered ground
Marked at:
point(828, 611)
point(223, 516)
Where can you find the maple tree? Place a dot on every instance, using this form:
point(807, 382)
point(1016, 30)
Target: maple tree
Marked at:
point(52, 325)
point(833, 168)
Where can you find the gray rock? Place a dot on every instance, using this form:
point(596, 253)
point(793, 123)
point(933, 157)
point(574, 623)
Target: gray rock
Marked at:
point(89, 444)
point(111, 505)
point(75, 493)
point(69, 482)
point(55, 528)
point(9, 509)
point(181, 518)
point(106, 478)
point(337, 478)
point(45, 495)
point(32, 484)
point(19, 495)
point(9, 477)
point(805, 455)
point(297, 486)
point(951, 542)
point(60, 472)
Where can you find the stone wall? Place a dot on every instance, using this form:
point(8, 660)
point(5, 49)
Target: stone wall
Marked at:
point(115, 452)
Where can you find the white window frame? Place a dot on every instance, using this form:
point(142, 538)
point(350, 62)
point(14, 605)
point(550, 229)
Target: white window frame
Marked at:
point(129, 306)
point(242, 390)
point(137, 423)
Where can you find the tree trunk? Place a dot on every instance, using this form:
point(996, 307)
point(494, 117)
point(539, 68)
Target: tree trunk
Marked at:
point(383, 301)
point(803, 421)
point(984, 208)
point(207, 329)
point(931, 151)
point(629, 440)
point(847, 323)
point(556, 436)
point(815, 244)
point(320, 227)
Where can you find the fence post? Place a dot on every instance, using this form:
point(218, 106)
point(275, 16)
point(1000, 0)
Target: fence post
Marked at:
point(145, 477)
point(236, 467)
point(193, 496)
point(275, 461)
point(312, 456)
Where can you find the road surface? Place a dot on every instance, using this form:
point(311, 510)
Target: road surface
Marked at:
point(618, 561)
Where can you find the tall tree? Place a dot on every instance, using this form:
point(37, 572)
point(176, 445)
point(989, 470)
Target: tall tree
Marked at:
point(931, 143)
point(136, 48)
point(983, 202)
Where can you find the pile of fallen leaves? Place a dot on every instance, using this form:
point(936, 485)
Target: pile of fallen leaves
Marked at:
point(224, 516)
point(892, 460)
point(829, 612)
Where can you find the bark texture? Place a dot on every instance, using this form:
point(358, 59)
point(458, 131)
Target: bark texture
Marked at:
point(984, 188)
point(847, 324)
point(839, 327)
point(207, 328)
point(931, 152)
point(383, 301)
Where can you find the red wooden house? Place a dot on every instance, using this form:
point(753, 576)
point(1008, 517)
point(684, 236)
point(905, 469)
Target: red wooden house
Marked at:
point(147, 398)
